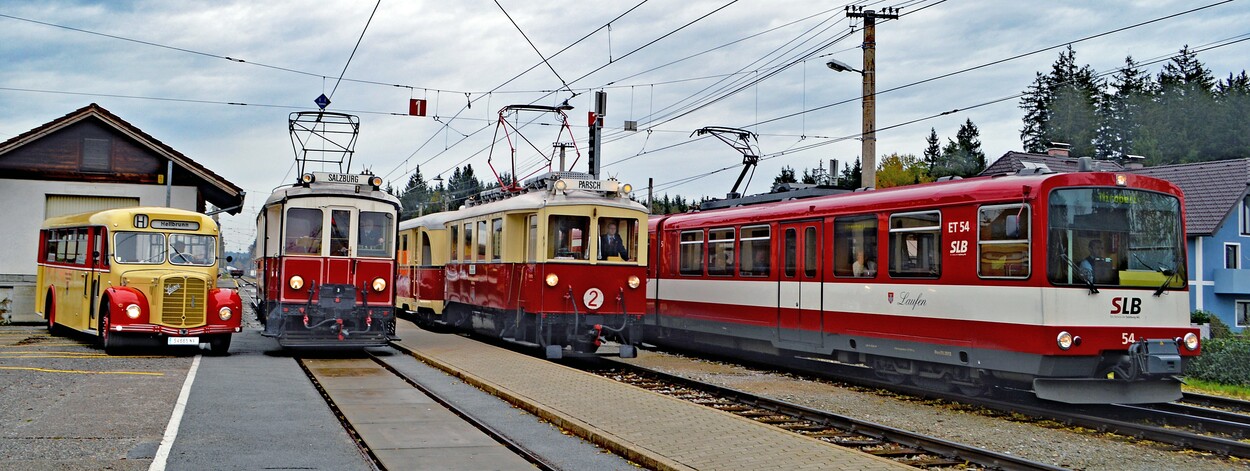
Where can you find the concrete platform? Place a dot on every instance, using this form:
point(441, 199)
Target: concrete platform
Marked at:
point(656, 431)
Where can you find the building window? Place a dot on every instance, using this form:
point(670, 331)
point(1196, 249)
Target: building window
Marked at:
point(1242, 314)
point(95, 155)
point(1245, 216)
point(1232, 256)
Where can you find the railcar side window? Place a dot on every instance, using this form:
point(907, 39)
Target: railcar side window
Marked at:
point(1003, 241)
point(466, 246)
point(374, 238)
point(303, 231)
point(754, 251)
point(455, 242)
point(481, 241)
point(532, 256)
point(720, 252)
point(569, 237)
point(791, 251)
point(139, 247)
point(915, 239)
point(690, 255)
point(496, 239)
point(855, 246)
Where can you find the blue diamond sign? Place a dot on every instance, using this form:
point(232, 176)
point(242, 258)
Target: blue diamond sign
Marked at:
point(322, 101)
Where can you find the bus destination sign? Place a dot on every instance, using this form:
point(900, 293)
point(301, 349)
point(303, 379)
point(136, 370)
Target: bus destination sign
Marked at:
point(175, 225)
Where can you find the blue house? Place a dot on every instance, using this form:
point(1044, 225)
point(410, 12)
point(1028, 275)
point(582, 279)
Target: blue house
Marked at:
point(1217, 224)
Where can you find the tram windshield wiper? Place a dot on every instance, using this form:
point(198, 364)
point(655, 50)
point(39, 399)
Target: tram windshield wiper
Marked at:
point(1170, 274)
point(1089, 282)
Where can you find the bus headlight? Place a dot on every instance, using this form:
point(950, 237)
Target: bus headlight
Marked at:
point(379, 284)
point(634, 281)
point(133, 311)
point(1064, 340)
point(225, 313)
point(296, 282)
point(552, 279)
point(1191, 341)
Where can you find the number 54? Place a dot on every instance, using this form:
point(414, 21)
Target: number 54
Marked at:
point(1127, 338)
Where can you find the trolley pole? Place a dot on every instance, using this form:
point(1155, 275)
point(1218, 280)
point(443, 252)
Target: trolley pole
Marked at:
point(869, 137)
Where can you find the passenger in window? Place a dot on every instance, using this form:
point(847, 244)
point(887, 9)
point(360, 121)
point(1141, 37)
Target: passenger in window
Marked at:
point(863, 267)
point(759, 265)
point(611, 245)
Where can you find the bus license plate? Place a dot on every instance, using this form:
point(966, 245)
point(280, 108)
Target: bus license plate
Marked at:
point(184, 340)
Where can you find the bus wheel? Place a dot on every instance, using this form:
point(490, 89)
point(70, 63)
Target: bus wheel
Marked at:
point(219, 345)
point(49, 311)
point(108, 341)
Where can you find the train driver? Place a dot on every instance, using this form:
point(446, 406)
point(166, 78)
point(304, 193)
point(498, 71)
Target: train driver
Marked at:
point(181, 256)
point(1097, 266)
point(611, 245)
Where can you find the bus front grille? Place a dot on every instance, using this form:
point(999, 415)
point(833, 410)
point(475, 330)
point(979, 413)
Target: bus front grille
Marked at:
point(184, 301)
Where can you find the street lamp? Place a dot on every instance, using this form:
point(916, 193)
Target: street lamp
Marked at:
point(868, 138)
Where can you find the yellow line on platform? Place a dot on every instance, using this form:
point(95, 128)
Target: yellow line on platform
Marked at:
point(46, 345)
point(50, 370)
point(37, 352)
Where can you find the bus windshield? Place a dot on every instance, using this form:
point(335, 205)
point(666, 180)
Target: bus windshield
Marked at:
point(139, 247)
point(192, 249)
point(1115, 236)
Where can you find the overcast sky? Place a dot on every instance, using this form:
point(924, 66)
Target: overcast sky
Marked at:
point(669, 65)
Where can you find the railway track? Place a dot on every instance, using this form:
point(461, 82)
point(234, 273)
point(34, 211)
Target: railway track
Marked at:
point(902, 446)
point(367, 366)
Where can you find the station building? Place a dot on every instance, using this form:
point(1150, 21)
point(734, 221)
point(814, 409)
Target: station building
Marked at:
point(88, 160)
point(1217, 224)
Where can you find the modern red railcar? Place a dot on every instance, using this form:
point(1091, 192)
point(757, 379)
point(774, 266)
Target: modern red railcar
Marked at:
point(558, 265)
point(1071, 284)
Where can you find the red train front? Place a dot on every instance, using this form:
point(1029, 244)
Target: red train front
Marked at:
point(559, 266)
point(1071, 284)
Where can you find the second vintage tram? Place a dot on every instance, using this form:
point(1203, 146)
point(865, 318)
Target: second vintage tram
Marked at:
point(326, 255)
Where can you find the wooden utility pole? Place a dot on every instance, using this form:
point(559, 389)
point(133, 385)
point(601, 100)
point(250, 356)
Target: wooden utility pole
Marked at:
point(869, 136)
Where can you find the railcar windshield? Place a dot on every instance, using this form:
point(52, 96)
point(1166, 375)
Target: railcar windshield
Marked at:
point(569, 237)
point(1116, 237)
point(376, 232)
point(618, 239)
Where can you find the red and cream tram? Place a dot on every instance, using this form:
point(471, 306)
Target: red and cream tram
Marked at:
point(1071, 284)
point(557, 265)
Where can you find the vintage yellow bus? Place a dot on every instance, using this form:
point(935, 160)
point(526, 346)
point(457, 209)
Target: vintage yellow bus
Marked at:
point(136, 276)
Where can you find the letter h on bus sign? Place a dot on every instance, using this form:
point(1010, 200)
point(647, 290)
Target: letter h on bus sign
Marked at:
point(416, 107)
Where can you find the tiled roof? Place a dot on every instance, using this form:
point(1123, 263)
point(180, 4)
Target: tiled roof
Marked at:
point(1012, 162)
point(232, 194)
point(1212, 190)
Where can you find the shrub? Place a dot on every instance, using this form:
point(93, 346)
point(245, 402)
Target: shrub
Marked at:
point(1200, 316)
point(1219, 329)
point(1224, 360)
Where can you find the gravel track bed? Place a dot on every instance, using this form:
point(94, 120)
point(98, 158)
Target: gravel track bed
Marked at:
point(1055, 444)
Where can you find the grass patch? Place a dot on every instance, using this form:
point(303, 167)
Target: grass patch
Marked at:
point(1207, 387)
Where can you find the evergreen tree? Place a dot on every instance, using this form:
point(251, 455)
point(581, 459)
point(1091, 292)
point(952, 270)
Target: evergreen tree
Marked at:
point(972, 159)
point(415, 199)
point(1062, 107)
point(1183, 110)
point(852, 176)
point(786, 176)
point(1233, 99)
point(932, 155)
point(1122, 111)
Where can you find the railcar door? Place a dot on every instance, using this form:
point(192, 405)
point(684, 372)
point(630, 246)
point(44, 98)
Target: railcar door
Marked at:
point(799, 312)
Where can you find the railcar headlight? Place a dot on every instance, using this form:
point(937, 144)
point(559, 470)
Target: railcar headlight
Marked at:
point(376, 182)
point(627, 189)
point(225, 313)
point(634, 281)
point(307, 178)
point(561, 185)
point(1064, 340)
point(296, 282)
point(379, 284)
point(133, 311)
point(1191, 341)
point(552, 279)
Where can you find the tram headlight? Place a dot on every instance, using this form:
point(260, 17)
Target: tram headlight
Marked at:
point(296, 282)
point(376, 182)
point(1064, 340)
point(552, 279)
point(133, 311)
point(561, 185)
point(626, 189)
point(1191, 341)
point(307, 178)
point(634, 281)
point(225, 313)
point(379, 284)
